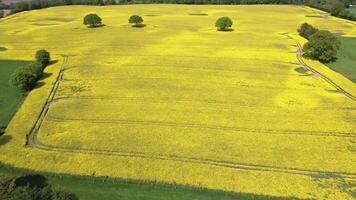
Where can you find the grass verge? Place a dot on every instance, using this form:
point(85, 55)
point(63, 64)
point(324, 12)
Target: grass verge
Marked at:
point(346, 59)
point(10, 97)
point(93, 188)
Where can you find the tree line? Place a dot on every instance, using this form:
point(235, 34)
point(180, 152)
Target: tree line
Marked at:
point(334, 7)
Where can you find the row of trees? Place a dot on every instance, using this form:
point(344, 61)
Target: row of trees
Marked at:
point(25, 78)
point(31, 187)
point(322, 45)
point(93, 20)
point(335, 7)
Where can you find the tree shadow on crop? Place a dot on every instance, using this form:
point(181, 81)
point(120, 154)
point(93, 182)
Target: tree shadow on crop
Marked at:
point(226, 30)
point(97, 26)
point(52, 62)
point(5, 139)
point(139, 25)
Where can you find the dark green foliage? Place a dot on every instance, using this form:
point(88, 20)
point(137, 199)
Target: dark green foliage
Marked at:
point(31, 187)
point(2, 129)
point(92, 20)
point(322, 46)
point(223, 23)
point(136, 20)
point(306, 30)
point(43, 57)
point(110, 2)
point(24, 78)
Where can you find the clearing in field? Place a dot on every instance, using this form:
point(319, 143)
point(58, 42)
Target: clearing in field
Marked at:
point(179, 102)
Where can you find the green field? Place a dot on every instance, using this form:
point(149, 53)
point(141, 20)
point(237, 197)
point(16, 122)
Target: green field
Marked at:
point(88, 188)
point(346, 59)
point(10, 97)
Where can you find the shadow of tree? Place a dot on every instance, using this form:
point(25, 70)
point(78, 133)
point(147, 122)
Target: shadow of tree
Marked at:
point(5, 139)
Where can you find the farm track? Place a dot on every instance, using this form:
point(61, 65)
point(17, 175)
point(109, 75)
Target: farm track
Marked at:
point(33, 142)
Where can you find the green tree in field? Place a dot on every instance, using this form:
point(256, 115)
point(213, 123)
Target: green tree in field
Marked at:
point(25, 78)
point(136, 20)
point(31, 187)
point(92, 20)
point(223, 23)
point(322, 46)
point(306, 30)
point(43, 57)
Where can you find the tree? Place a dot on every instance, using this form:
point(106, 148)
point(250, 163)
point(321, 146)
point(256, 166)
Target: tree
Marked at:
point(92, 20)
point(1, 13)
point(223, 23)
point(24, 79)
point(136, 20)
point(31, 187)
point(306, 30)
point(337, 8)
point(43, 57)
point(322, 46)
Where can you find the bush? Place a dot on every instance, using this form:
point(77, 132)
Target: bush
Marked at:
point(31, 187)
point(136, 20)
point(223, 23)
point(92, 20)
point(322, 46)
point(25, 78)
point(43, 57)
point(306, 30)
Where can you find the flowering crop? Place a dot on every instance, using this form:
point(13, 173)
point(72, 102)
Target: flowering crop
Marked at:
point(179, 102)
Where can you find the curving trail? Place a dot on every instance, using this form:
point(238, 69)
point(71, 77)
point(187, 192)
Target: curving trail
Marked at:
point(33, 142)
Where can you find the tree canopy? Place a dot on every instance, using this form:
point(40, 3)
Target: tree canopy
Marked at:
point(136, 20)
point(31, 187)
point(43, 57)
point(322, 46)
point(223, 23)
point(306, 30)
point(92, 20)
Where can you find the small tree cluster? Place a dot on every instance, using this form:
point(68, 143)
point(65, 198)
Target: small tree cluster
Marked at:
point(223, 23)
point(322, 46)
point(306, 30)
point(92, 20)
point(25, 78)
point(31, 187)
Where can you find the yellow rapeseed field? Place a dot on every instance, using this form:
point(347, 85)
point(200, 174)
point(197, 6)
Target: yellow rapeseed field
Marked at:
point(179, 102)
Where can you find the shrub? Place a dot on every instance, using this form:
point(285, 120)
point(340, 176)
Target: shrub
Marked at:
point(322, 46)
point(223, 23)
point(92, 20)
point(43, 57)
point(25, 78)
point(136, 20)
point(306, 30)
point(31, 187)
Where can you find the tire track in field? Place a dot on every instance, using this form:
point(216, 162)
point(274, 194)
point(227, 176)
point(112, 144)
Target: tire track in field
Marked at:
point(202, 126)
point(163, 99)
point(33, 142)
